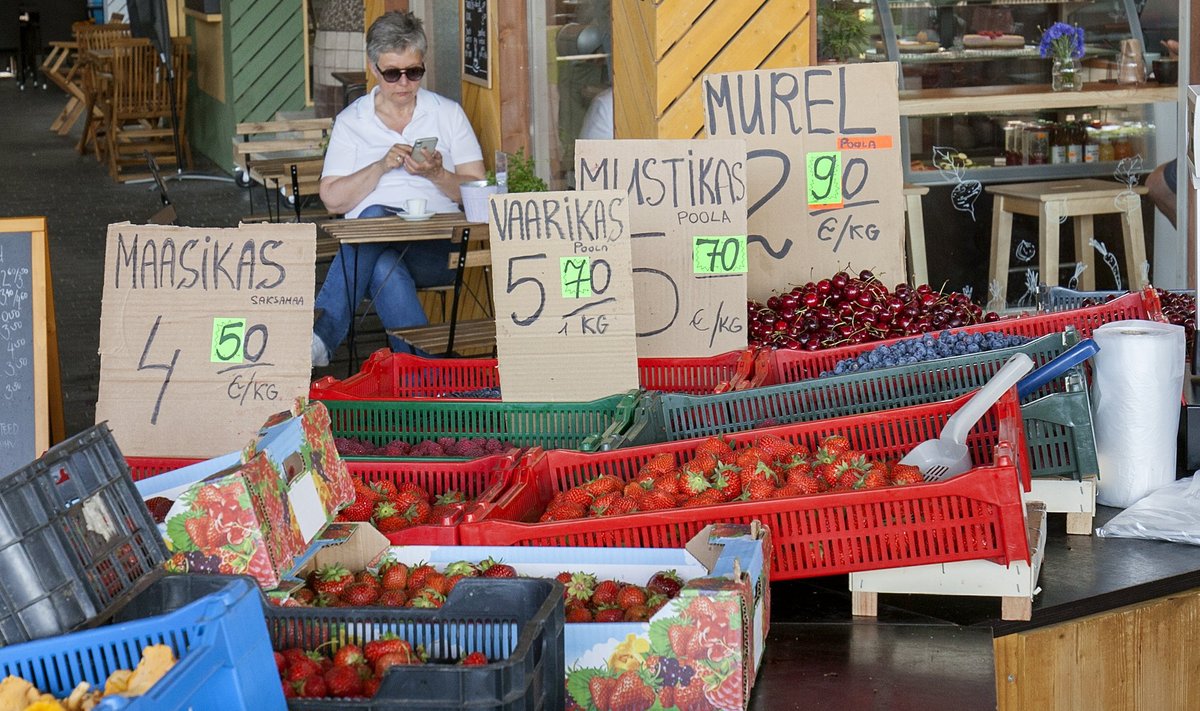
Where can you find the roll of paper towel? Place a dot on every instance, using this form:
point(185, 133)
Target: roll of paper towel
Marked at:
point(1136, 393)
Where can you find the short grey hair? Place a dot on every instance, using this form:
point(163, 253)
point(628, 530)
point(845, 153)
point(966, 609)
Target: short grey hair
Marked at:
point(396, 32)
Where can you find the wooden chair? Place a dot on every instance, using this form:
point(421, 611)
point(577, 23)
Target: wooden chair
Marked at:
point(138, 115)
point(457, 336)
point(63, 68)
point(266, 151)
point(94, 41)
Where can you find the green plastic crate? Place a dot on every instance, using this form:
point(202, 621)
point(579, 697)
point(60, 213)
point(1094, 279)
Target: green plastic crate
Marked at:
point(1057, 418)
point(551, 425)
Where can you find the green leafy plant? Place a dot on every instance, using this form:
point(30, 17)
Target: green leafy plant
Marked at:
point(841, 32)
point(521, 175)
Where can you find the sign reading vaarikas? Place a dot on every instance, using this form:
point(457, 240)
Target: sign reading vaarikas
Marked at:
point(204, 334)
point(563, 286)
point(687, 206)
point(825, 170)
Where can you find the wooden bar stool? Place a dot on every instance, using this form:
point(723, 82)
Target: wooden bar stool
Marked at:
point(918, 264)
point(1052, 201)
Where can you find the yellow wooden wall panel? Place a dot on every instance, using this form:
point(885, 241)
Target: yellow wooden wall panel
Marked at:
point(633, 71)
point(1138, 657)
point(482, 106)
point(676, 17)
point(794, 51)
point(683, 63)
point(773, 25)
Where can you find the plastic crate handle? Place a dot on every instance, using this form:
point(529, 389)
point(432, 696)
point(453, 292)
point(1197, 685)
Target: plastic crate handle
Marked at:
point(1066, 360)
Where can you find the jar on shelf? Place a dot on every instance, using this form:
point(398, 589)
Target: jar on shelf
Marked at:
point(1106, 144)
point(1013, 148)
point(1037, 144)
point(1122, 143)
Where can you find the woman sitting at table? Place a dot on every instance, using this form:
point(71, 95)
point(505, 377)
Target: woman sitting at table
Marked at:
point(371, 171)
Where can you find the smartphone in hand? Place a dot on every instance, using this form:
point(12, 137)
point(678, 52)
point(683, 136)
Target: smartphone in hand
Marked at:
point(424, 144)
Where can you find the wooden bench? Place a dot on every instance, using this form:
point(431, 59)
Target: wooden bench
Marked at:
point(265, 153)
point(455, 336)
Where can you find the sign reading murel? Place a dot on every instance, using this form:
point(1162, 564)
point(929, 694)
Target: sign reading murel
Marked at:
point(563, 284)
point(825, 174)
point(204, 334)
point(687, 206)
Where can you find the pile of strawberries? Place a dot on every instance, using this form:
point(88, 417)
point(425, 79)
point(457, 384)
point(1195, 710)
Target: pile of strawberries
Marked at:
point(352, 671)
point(394, 507)
point(589, 600)
point(719, 473)
point(393, 584)
point(470, 447)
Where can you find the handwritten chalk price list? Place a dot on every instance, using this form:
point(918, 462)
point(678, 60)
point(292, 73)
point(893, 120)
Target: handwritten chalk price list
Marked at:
point(564, 295)
point(204, 334)
point(15, 336)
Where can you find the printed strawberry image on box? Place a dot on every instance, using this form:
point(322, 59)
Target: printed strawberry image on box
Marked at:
point(253, 512)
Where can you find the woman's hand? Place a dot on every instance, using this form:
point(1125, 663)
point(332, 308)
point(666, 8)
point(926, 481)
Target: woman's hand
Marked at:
point(427, 164)
point(395, 157)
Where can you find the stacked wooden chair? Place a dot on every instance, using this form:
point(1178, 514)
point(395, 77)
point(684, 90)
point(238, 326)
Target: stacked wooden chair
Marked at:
point(93, 42)
point(137, 113)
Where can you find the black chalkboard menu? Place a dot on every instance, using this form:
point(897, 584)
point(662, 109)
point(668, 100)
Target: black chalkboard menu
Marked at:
point(476, 41)
point(24, 417)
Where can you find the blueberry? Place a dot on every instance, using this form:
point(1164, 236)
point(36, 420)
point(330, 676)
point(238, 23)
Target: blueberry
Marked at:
point(972, 348)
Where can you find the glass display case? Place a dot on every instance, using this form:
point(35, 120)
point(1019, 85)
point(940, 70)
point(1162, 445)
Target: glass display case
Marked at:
point(976, 101)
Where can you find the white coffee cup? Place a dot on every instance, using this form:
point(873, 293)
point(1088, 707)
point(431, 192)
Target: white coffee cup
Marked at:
point(415, 206)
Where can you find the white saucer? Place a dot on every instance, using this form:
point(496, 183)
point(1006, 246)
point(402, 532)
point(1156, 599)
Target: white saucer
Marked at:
point(416, 218)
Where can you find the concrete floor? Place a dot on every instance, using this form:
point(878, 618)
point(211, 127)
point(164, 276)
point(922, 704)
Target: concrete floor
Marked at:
point(42, 175)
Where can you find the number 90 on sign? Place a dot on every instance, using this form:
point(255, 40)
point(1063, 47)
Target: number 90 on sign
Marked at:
point(719, 255)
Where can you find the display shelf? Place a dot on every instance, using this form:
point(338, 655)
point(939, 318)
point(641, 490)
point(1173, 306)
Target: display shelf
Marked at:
point(1028, 97)
point(1020, 173)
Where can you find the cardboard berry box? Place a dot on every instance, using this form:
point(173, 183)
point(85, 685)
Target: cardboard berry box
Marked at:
point(714, 631)
point(254, 511)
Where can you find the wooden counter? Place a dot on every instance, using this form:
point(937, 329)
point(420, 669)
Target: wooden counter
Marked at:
point(1115, 627)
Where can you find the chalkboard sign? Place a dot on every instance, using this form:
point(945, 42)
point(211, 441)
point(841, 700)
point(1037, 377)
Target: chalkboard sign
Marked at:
point(477, 41)
point(24, 415)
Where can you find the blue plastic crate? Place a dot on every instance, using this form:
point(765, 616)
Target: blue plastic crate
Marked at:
point(225, 661)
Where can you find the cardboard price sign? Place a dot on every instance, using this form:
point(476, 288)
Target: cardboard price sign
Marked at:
point(825, 170)
point(204, 334)
point(687, 206)
point(563, 282)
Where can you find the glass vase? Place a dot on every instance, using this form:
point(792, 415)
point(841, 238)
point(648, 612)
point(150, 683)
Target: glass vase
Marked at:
point(1066, 74)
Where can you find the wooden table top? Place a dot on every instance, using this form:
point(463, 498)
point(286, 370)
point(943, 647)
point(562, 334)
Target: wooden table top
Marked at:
point(396, 229)
point(1064, 189)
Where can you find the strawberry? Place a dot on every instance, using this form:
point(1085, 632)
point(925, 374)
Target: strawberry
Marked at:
point(728, 482)
point(495, 569)
point(665, 582)
point(637, 613)
point(610, 614)
point(704, 498)
point(606, 593)
point(464, 568)
point(632, 694)
point(427, 598)
point(774, 448)
point(311, 686)
point(386, 644)
point(579, 586)
point(563, 511)
point(635, 491)
point(904, 474)
point(693, 482)
point(604, 484)
point(474, 659)
point(371, 685)
point(726, 692)
point(874, 480)
point(715, 447)
point(834, 446)
point(659, 465)
point(656, 501)
point(438, 582)
point(601, 689)
point(393, 659)
point(578, 495)
point(623, 505)
point(330, 579)
point(302, 668)
point(388, 519)
point(451, 581)
point(690, 697)
point(348, 655)
point(360, 594)
point(367, 576)
point(630, 595)
point(578, 613)
point(203, 532)
point(384, 490)
point(360, 510)
point(654, 603)
point(603, 503)
point(393, 576)
point(280, 662)
point(703, 464)
point(343, 681)
point(304, 596)
point(418, 574)
point(392, 598)
point(758, 490)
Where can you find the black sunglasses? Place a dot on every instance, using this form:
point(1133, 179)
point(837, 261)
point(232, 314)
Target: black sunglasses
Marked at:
point(392, 75)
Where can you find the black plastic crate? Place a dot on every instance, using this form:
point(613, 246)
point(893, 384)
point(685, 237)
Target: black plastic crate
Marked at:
point(76, 541)
point(516, 622)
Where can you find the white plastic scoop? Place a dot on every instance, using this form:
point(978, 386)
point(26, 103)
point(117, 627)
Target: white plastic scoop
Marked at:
point(947, 456)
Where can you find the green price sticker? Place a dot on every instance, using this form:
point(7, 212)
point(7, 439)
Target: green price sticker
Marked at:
point(576, 277)
point(824, 181)
point(719, 255)
point(228, 340)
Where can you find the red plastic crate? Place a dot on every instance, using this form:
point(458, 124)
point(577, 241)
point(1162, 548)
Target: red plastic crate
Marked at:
point(146, 467)
point(977, 515)
point(789, 366)
point(389, 376)
point(483, 479)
